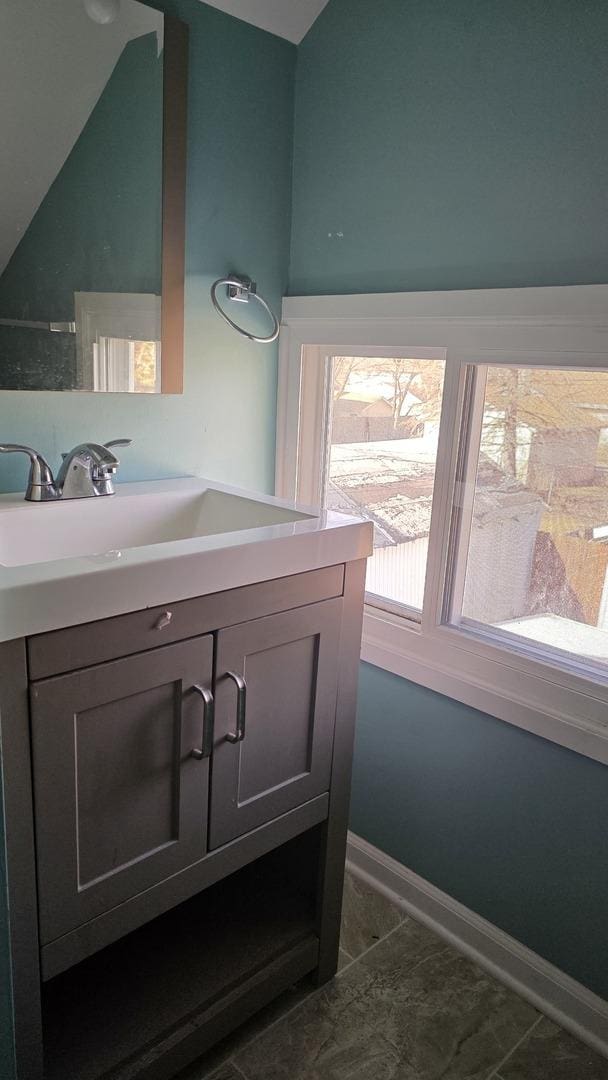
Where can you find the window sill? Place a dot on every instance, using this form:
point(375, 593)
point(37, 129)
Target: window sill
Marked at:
point(561, 707)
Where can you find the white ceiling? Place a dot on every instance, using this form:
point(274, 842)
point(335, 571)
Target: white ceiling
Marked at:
point(290, 19)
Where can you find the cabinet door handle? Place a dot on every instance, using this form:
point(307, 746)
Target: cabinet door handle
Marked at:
point(208, 717)
point(241, 707)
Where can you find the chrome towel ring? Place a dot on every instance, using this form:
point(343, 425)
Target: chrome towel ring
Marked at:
point(241, 289)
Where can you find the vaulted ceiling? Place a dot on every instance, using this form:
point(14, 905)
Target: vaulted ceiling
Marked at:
point(290, 19)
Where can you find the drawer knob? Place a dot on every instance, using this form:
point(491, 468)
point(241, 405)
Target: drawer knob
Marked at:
point(164, 620)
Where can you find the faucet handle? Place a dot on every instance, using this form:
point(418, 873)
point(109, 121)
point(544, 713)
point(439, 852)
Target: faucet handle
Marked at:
point(104, 469)
point(41, 483)
point(117, 442)
point(16, 448)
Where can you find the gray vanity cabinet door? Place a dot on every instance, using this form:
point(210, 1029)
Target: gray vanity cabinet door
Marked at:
point(120, 800)
point(289, 665)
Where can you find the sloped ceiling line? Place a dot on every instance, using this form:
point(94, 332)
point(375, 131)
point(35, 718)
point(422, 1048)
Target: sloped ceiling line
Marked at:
point(290, 19)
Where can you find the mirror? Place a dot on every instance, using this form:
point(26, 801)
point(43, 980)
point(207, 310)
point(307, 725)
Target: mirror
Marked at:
point(92, 196)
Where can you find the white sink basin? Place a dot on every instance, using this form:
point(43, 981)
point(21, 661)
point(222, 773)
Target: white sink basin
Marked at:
point(155, 543)
point(112, 524)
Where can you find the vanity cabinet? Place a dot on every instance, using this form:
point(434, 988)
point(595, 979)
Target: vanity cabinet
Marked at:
point(178, 858)
point(121, 755)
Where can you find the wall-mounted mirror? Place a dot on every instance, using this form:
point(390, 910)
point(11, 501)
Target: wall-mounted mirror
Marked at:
point(92, 193)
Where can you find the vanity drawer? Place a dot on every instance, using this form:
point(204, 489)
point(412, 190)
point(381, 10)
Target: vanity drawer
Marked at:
point(107, 639)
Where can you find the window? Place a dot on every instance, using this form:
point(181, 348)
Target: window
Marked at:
point(383, 432)
point(534, 555)
point(472, 429)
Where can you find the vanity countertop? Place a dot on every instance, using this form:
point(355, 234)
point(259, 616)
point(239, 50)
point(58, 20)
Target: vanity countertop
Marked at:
point(155, 543)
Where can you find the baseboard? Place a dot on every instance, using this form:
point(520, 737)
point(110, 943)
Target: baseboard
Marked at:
point(553, 992)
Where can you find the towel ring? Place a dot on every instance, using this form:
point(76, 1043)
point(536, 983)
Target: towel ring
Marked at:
point(241, 289)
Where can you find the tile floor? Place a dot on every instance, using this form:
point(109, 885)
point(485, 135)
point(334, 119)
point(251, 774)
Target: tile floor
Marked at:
point(404, 1006)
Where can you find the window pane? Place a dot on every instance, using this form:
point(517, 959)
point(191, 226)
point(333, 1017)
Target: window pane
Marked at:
point(122, 364)
point(383, 446)
point(538, 545)
point(145, 366)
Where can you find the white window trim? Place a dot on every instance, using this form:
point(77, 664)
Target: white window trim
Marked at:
point(566, 325)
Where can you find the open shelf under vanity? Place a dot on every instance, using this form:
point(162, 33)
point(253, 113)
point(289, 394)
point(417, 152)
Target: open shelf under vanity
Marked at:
point(170, 989)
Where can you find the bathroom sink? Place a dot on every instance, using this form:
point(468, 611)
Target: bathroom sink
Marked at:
point(42, 533)
point(65, 563)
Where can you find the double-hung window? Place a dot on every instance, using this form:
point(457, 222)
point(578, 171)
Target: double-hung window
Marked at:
point(472, 430)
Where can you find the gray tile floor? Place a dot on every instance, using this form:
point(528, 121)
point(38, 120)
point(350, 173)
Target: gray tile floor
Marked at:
point(404, 1006)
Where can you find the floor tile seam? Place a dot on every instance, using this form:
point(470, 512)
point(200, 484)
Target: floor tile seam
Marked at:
point(425, 959)
point(403, 918)
point(495, 1075)
point(355, 959)
point(309, 997)
point(218, 1070)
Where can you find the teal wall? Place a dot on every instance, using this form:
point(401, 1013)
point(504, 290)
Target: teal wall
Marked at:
point(464, 144)
point(509, 824)
point(238, 206)
point(239, 197)
point(98, 229)
point(457, 144)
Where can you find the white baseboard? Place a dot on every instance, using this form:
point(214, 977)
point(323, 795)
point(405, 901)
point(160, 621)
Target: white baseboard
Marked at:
point(552, 991)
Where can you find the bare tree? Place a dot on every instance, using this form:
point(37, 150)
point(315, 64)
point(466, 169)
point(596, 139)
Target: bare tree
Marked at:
point(508, 457)
point(524, 403)
point(343, 369)
point(422, 379)
point(403, 379)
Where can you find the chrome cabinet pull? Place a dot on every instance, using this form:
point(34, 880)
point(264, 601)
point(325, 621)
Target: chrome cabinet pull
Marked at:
point(241, 707)
point(164, 620)
point(208, 717)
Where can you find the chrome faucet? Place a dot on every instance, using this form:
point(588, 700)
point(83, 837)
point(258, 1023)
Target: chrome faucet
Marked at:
point(85, 472)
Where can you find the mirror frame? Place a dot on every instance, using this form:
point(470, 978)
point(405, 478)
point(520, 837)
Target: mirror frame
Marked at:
point(173, 257)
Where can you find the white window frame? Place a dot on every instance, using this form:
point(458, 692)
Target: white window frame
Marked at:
point(551, 327)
